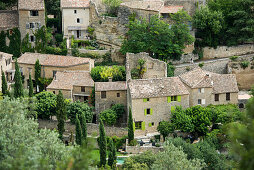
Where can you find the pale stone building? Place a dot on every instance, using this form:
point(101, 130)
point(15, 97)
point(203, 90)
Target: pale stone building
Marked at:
point(31, 17)
point(51, 64)
point(75, 18)
point(75, 85)
point(109, 93)
point(5, 65)
point(210, 88)
point(152, 101)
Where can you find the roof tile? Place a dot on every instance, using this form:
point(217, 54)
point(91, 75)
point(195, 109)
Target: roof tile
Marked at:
point(110, 86)
point(75, 3)
point(31, 5)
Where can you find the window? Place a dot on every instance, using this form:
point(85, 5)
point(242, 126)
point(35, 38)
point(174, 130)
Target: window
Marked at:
point(216, 97)
point(83, 89)
point(201, 90)
point(173, 98)
point(78, 20)
point(118, 95)
point(31, 25)
point(54, 74)
point(227, 96)
point(148, 111)
point(75, 11)
point(54, 92)
point(165, 15)
point(138, 125)
point(32, 38)
point(103, 94)
point(151, 124)
point(34, 13)
point(199, 101)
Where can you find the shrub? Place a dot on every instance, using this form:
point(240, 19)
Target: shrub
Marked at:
point(170, 70)
point(108, 117)
point(77, 108)
point(165, 128)
point(102, 73)
point(134, 142)
point(245, 64)
point(119, 110)
point(233, 58)
point(201, 64)
point(157, 145)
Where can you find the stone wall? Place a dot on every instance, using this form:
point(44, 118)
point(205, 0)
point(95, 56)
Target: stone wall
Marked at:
point(224, 51)
point(154, 68)
point(140, 149)
point(186, 58)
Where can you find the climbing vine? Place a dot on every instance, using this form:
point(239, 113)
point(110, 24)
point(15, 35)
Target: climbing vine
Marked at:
point(15, 42)
point(138, 73)
point(26, 46)
point(42, 37)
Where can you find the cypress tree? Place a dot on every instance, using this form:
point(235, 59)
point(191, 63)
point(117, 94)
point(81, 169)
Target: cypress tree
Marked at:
point(61, 113)
point(102, 145)
point(83, 127)
point(4, 85)
point(18, 86)
point(112, 153)
point(130, 127)
point(37, 74)
point(31, 87)
point(3, 46)
point(78, 131)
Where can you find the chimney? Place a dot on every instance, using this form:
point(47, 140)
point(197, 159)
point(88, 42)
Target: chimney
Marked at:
point(110, 79)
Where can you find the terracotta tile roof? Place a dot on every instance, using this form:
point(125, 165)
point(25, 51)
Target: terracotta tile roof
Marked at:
point(144, 5)
point(161, 87)
point(110, 86)
point(52, 60)
point(221, 83)
point(31, 5)
point(75, 3)
point(170, 9)
point(8, 20)
point(67, 79)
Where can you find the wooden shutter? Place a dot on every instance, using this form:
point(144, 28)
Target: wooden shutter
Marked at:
point(145, 100)
point(150, 124)
point(179, 98)
point(134, 127)
point(143, 126)
point(145, 112)
point(169, 99)
point(151, 111)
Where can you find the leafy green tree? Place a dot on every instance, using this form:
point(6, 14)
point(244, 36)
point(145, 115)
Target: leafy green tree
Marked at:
point(52, 7)
point(165, 128)
point(130, 127)
point(4, 85)
point(46, 104)
point(83, 127)
point(156, 38)
point(42, 38)
point(102, 144)
point(37, 75)
point(108, 117)
point(111, 153)
point(78, 131)
point(119, 110)
point(15, 42)
point(18, 86)
point(31, 87)
point(78, 108)
point(102, 73)
point(174, 158)
point(208, 24)
point(23, 145)
point(252, 91)
point(146, 158)
point(60, 113)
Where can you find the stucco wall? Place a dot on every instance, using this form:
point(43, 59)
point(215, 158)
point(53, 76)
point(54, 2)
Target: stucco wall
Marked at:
point(25, 18)
point(5, 65)
point(224, 51)
point(222, 99)
point(161, 110)
point(154, 68)
point(70, 19)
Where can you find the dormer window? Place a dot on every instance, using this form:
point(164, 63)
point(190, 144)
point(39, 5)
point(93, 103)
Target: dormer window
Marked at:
point(34, 13)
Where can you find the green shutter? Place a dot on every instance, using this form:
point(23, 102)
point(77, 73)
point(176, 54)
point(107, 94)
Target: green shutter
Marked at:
point(151, 111)
point(143, 126)
point(145, 112)
point(134, 127)
point(172, 108)
point(179, 98)
point(145, 100)
point(169, 99)
point(150, 124)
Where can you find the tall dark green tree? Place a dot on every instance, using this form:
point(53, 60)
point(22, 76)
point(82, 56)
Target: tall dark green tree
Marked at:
point(130, 127)
point(83, 127)
point(3, 47)
point(15, 43)
point(78, 131)
point(112, 153)
point(61, 113)
point(18, 86)
point(102, 145)
point(37, 74)
point(31, 87)
point(4, 85)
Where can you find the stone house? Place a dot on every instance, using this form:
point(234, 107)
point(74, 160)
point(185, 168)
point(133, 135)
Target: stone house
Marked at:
point(210, 88)
point(75, 85)
point(109, 93)
point(5, 64)
point(51, 64)
point(152, 101)
point(75, 18)
point(8, 19)
point(31, 17)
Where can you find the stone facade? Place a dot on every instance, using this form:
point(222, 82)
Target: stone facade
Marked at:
point(5, 65)
point(154, 68)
